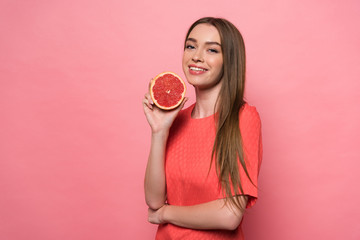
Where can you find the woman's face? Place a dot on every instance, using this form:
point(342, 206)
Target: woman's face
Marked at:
point(203, 59)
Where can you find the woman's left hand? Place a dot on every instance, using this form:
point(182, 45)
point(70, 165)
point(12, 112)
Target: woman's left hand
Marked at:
point(156, 216)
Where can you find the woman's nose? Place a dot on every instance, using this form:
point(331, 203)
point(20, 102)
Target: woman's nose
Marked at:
point(198, 57)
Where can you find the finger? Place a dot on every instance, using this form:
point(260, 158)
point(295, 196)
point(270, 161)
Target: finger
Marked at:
point(150, 216)
point(148, 97)
point(183, 103)
point(150, 82)
point(147, 104)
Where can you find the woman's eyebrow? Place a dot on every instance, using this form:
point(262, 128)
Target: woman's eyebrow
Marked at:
point(207, 43)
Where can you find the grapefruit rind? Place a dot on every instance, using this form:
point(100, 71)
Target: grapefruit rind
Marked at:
point(178, 99)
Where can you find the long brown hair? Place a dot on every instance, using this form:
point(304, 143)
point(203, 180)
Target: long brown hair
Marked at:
point(228, 147)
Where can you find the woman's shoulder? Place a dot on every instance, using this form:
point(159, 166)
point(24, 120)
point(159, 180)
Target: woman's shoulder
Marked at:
point(249, 114)
point(184, 115)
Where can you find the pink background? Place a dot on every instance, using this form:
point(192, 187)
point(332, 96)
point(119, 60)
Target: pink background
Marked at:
point(74, 141)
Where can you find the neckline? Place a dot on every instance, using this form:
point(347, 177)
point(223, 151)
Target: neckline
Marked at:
point(212, 116)
point(191, 108)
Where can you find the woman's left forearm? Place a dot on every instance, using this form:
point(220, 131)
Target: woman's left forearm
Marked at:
point(211, 215)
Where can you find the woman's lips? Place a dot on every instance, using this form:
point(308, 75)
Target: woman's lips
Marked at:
point(196, 70)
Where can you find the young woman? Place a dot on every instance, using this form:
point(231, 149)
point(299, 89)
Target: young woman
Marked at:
point(204, 161)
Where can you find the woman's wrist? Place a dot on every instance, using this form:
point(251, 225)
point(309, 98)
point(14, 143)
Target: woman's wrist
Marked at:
point(160, 134)
point(164, 214)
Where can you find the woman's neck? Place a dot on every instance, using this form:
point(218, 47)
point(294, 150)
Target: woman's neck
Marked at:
point(205, 102)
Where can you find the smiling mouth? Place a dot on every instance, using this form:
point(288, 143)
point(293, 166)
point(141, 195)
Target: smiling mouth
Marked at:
point(197, 69)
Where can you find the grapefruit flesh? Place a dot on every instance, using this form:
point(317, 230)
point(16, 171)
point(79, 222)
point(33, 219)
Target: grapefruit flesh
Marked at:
point(167, 90)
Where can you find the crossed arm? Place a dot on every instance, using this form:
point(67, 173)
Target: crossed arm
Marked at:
point(211, 215)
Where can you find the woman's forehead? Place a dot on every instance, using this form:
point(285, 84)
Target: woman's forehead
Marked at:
point(203, 33)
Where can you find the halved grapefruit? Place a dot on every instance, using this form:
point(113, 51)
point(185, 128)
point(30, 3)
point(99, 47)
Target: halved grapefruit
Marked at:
point(167, 90)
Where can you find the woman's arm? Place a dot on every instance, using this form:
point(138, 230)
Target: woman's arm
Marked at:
point(154, 183)
point(211, 215)
point(160, 122)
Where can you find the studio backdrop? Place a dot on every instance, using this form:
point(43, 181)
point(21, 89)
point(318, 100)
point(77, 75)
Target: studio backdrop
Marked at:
point(74, 140)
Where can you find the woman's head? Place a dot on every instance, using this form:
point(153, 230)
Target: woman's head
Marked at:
point(233, 55)
point(203, 58)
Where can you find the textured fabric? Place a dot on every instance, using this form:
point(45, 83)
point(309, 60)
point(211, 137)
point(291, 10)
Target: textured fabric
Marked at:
point(187, 165)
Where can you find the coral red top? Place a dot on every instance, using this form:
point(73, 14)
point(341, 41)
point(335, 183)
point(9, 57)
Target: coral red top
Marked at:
point(187, 164)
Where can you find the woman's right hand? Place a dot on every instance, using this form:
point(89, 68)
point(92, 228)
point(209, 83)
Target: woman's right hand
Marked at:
point(160, 120)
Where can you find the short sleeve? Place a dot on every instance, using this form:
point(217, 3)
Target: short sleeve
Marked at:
point(250, 128)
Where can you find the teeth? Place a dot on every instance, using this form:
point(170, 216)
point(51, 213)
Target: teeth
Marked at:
point(197, 69)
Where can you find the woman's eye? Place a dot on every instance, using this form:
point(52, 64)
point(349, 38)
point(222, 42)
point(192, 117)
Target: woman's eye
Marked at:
point(189, 47)
point(213, 50)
